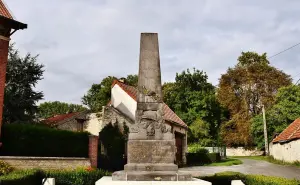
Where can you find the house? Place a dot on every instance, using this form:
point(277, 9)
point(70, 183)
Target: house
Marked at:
point(121, 110)
point(73, 121)
point(286, 146)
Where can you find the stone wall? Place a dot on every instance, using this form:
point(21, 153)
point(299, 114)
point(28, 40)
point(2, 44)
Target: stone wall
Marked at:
point(241, 151)
point(71, 125)
point(46, 162)
point(288, 152)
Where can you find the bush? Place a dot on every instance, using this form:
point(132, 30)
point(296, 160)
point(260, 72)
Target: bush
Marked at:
point(196, 148)
point(37, 140)
point(62, 177)
point(225, 178)
point(5, 168)
point(202, 158)
point(24, 177)
point(78, 177)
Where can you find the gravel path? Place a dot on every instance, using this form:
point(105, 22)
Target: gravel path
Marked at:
point(249, 166)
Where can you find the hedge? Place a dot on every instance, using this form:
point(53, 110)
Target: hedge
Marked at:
point(202, 158)
point(225, 178)
point(42, 141)
point(35, 177)
point(24, 177)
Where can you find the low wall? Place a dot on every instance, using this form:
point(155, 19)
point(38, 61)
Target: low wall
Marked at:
point(288, 152)
point(46, 162)
point(241, 151)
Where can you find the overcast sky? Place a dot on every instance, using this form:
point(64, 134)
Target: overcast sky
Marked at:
point(82, 41)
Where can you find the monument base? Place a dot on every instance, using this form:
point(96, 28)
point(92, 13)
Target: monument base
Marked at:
point(108, 181)
point(151, 176)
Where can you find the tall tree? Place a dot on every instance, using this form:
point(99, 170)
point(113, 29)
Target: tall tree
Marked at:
point(49, 109)
point(20, 98)
point(194, 100)
point(285, 110)
point(243, 90)
point(99, 94)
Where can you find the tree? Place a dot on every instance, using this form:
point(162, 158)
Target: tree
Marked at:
point(193, 99)
point(285, 110)
point(99, 94)
point(20, 98)
point(49, 109)
point(243, 90)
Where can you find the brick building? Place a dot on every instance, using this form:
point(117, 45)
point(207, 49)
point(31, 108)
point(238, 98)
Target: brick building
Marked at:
point(8, 26)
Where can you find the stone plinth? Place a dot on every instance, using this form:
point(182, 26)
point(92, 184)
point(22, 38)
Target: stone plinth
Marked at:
point(151, 176)
point(151, 151)
point(109, 181)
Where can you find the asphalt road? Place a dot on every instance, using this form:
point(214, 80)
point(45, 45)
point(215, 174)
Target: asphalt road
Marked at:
point(249, 166)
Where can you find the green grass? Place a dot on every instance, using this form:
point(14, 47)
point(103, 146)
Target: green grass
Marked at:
point(269, 159)
point(226, 162)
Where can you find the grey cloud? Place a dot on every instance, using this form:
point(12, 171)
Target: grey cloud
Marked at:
point(82, 41)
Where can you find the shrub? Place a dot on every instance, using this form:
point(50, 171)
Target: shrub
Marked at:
point(78, 177)
point(82, 176)
point(196, 148)
point(225, 178)
point(36, 140)
point(202, 158)
point(5, 168)
point(24, 177)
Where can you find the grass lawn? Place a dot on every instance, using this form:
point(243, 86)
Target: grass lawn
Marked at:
point(226, 162)
point(269, 159)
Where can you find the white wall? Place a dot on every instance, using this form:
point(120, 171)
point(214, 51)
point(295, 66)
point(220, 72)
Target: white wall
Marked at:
point(94, 123)
point(123, 102)
point(240, 151)
point(288, 152)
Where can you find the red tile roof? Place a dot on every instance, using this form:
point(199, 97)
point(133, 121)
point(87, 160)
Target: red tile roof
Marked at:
point(292, 132)
point(4, 11)
point(58, 118)
point(169, 114)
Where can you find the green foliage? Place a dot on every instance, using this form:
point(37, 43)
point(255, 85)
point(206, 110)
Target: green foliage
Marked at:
point(243, 90)
point(5, 168)
point(99, 94)
point(49, 109)
point(36, 140)
point(225, 178)
point(20, 98)
point(226, 162)
point(284, 111)
point(62, 177)
point(202, 158)
point(193, 99)
point(113, 141)
point(196, 148)
point(78, 177)
point(200, 129)
point(24, 177)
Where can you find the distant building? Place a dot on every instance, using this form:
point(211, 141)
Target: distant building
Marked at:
point(121, 110)
point(286, 146)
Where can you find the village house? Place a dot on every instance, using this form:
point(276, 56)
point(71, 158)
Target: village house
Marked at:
point(120, 110)
point(286, 146)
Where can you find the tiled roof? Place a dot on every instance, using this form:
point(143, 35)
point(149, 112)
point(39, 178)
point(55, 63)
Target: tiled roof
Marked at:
point(4, 11)
point(292, 132)
point(169, 115)
point(58, 118)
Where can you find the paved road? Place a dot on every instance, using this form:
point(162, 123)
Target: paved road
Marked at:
point(249, 166)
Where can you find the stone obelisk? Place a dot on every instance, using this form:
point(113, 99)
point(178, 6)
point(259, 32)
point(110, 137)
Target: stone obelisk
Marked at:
point(151, 144)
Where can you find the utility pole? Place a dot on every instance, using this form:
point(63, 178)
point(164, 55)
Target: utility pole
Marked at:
point(265, 131)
